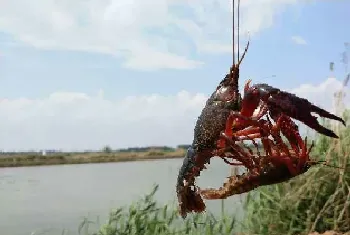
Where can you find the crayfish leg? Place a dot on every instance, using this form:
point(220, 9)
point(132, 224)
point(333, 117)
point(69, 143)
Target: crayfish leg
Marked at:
point(228, 132)
point(252, 132)
point(289, 129)
point(304, 156)
point(233, 186)
point(238, 121)
point(238, 153)
point(287, 161)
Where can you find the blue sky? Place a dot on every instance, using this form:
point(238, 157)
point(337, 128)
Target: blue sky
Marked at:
point(272, 51)
point(42, 53)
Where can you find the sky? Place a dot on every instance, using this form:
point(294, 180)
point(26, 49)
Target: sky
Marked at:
point(79, 74)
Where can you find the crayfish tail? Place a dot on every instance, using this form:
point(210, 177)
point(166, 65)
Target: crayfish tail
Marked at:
point(190, 201)
point(188, 197)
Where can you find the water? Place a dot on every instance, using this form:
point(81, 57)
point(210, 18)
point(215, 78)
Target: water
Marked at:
point(52, 198)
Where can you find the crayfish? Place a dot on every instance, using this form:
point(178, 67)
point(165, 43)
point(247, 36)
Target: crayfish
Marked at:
point(228, 118)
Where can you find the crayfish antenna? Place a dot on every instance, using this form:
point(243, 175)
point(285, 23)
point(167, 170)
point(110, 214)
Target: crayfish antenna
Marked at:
point(322, 162)
point(245, 51)
point(326, 164)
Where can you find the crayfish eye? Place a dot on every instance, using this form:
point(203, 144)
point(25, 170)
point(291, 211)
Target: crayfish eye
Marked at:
point(224, 94)
point(255, 92)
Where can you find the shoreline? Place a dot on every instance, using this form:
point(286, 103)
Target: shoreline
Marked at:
point(35, 159)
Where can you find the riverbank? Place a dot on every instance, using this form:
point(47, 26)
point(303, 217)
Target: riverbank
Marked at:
point(37, 159)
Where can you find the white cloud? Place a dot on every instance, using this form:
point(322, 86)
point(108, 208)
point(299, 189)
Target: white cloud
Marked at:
point(299, 40)
point(159, 60)
point(146, 34)
point(323, 94)
point(81, 121)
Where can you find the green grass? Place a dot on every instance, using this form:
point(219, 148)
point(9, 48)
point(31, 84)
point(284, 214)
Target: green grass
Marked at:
point(147, 217)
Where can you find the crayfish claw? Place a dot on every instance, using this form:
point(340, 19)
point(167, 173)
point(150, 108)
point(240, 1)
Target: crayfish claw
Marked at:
point(326, 114)
point(300, 109)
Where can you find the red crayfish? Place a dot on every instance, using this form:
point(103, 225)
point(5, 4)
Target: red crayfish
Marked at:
point(228, 118)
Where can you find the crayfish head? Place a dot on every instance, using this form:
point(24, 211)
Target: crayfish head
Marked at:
point(228, 94)
point(225, 94)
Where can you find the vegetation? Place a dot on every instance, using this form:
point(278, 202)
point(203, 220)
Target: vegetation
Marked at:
point(149, 218)
point(107, 149)
point(106, 155)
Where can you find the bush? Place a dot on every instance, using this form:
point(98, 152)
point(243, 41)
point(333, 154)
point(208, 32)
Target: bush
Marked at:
point(317, 201)
point(107, 149)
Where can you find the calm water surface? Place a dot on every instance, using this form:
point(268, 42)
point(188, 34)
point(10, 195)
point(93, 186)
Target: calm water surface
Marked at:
point(52, 198)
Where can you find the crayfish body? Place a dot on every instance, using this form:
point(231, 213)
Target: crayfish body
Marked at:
point(228, 118)
point(207, 132)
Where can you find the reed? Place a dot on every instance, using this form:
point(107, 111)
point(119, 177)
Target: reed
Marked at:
point(148, 217)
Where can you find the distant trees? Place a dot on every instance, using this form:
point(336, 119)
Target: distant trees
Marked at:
point(183, 146)
point(147, 149)
point(107, 149)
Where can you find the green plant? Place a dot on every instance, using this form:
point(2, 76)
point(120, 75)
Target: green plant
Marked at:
point(147, 217)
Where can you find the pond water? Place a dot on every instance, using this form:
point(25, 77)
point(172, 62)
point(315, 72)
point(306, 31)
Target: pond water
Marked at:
point(52, 198)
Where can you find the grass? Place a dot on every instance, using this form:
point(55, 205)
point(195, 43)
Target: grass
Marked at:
point(20, 160)
point(147, 217)
point(317, 201)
